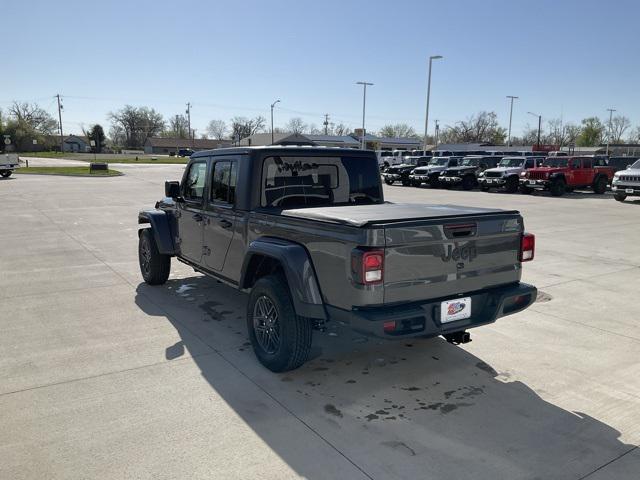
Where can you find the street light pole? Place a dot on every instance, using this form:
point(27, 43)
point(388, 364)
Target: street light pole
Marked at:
point(436, 137)
point(610, 110)
point(364, 106)
point(273, 105)
point(539, 125)
point(426, 119)
point(510, 117)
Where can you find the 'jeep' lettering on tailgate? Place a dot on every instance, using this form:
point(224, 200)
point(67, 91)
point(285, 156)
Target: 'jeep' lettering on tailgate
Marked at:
point(468, 252)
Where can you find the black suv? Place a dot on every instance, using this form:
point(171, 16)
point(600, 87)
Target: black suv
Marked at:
point(467, 171)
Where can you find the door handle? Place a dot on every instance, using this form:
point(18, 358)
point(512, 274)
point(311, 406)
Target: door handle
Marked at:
point(197, 217)
point(225, 223)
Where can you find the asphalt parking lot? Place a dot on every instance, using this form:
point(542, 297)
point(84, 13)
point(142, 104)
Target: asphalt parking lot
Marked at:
point(104, 377)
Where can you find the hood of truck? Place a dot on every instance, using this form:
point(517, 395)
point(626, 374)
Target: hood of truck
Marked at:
point(427, 170)
point(460, 170)
point(504, 170)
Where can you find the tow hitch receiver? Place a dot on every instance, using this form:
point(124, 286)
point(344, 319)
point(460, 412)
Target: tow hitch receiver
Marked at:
point(457, 338)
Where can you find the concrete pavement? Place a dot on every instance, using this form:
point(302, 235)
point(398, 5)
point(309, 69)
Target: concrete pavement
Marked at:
point(102, 376)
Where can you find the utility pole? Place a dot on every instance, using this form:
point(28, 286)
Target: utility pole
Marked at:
point(437, 134)
point(610, 110)
point(189, 123)
point(326, 124)
point(364, 106)
point(426, 119)
point(510, 117)
point(539, 125)
point(60, 119)
point(177, 126)
point(272, 106)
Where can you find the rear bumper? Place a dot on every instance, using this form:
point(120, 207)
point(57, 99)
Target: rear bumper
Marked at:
point(423, 319)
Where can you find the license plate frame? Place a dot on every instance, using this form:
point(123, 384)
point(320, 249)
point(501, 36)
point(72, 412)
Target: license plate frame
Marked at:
point(628, 190)
point(532, 182)
point(454, 310)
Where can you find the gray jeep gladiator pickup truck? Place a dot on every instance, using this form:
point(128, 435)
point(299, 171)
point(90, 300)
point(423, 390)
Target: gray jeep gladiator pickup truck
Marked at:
point(307, 233)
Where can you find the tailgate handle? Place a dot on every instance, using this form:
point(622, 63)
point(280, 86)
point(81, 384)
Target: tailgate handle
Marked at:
point(460, 230)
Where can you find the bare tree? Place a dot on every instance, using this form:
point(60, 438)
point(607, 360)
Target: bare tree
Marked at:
point(619, 125)
point(398, 130)
point(296, 126)
point(138, 124)
point(217, 129)
point(178, 127)
point(482, 127)
point(339, 129)
point(242, 127)
point(31, 117)
point(313, 129)
point(634, 136)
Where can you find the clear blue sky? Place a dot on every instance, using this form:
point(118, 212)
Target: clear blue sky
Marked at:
point(574, 58)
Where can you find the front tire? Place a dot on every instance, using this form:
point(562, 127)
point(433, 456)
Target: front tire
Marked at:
point(558, 187)
point(6, 174)
point(154, 266)
point(526, 190)
point(620, 197)
point(512, 185)
point(281, 339)
point(388, 181)
point(468, 182)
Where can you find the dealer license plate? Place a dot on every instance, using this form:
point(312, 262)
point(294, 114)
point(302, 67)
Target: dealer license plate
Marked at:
point(489, 181)
point(628, 190)
point(532, 182)
point(452, 310)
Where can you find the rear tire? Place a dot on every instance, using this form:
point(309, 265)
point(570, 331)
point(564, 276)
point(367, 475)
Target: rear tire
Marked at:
point(154, 266)
point(281, 339)
point(558, 187)
point(388, 182)
point(468, 182)
point(512, 185)
point(620, 197)
point(600, 185)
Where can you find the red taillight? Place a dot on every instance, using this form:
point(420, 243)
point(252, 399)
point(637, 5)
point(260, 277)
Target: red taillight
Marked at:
point(367, 266)
point(527, 247)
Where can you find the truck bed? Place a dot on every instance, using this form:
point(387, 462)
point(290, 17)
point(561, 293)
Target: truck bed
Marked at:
point(365, 215)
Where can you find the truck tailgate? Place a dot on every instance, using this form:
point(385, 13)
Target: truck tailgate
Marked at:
point(445, 257)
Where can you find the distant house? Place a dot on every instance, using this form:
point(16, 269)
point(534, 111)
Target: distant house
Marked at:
point(76, 144)
point(168, 145)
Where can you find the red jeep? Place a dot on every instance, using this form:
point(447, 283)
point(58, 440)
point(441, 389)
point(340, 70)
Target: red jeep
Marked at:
point(561, 174)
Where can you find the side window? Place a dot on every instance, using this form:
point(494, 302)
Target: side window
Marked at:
point(587, 163)
point(223, 183)
point(193, 188)
point(529, 163)
point(575, 163)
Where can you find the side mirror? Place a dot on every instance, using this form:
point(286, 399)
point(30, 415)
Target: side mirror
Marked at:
point(172, 190)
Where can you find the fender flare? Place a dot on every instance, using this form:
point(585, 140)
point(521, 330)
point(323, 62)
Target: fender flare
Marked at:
point(159, 221)
point(298, 270)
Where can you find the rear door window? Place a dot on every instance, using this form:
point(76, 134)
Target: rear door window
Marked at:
point(223, 182)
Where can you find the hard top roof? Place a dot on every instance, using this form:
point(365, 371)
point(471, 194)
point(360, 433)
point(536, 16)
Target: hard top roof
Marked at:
point(283, 149)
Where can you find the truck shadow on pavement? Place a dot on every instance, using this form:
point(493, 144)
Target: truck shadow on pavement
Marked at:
point(419, 408)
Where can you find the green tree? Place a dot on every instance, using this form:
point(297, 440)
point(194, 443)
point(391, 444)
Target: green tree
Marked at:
point(592, 132)
point(27, 122)
point(97, 135)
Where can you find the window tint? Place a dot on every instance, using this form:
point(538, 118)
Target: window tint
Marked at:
point(586, 163)
point(291, 182)
point(193, 188)
point(223, 183)
point(530, 163)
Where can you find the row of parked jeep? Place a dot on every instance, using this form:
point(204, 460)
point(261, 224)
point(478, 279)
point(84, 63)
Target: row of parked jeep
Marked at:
point(526, 173)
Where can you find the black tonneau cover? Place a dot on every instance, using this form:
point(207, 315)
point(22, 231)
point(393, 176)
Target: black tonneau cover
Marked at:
point(362, 215)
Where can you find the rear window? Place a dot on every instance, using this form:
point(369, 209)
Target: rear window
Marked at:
point(293, 182)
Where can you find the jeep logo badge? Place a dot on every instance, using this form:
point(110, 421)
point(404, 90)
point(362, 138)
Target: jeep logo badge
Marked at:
point(468, 252)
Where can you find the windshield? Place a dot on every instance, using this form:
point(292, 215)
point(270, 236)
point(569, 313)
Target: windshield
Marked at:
point(295, 182)
point(556, 162)
point(636, 165)
point(438, 161)
point(510, 162)
point(470, 162)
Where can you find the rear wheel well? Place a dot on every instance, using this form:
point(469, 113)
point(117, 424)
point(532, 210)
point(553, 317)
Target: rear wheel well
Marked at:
point(260, 266)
